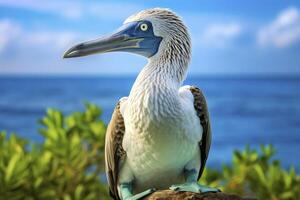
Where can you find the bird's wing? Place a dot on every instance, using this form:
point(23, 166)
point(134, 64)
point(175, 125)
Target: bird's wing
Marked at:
point(202, 112)
point(114, 152)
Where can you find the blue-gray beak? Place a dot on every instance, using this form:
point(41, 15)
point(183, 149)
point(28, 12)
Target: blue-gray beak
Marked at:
point(117, 42)
point(127, 39)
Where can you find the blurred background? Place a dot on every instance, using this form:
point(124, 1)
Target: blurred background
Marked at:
point(246, 58)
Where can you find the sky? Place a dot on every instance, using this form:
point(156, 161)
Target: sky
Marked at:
point(228, 37)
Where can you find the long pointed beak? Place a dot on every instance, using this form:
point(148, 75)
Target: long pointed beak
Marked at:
point(114, 42)
point(126, 38)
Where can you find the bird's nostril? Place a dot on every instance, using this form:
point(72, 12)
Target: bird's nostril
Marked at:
point(80, 46)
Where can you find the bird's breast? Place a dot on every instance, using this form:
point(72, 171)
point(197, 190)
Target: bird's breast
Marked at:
point(160, 139)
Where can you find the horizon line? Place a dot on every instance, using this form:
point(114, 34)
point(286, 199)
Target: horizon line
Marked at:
point(221, 75)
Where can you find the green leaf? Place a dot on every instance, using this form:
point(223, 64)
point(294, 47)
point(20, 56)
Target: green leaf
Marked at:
point(10, 167)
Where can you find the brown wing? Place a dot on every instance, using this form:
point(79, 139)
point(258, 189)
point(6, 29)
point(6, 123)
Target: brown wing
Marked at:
point(202, 112)
point(114, 152)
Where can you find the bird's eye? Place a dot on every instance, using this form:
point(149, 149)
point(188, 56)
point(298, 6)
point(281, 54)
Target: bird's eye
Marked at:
point(144, 27)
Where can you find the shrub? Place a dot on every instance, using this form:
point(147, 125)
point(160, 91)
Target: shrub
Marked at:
point(68, 164)
point(256, 174)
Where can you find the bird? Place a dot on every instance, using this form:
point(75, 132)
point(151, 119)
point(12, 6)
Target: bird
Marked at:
point(159, 135)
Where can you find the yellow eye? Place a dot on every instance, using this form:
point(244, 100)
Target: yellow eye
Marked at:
point(144, 27)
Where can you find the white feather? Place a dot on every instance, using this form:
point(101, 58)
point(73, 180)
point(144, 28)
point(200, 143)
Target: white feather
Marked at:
point(162, 128)
point(162, 131)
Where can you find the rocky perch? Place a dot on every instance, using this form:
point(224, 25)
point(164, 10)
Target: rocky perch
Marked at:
point(172, 195)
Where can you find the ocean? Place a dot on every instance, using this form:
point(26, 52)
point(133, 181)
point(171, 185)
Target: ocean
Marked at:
point(243, 110)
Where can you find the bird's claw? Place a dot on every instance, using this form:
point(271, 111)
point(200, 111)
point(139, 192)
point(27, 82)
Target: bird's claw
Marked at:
point(141, 195)
point(193, 187)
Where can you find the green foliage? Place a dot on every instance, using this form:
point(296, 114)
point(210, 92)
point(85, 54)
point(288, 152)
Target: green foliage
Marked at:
point(69, 164)
point(256, 174)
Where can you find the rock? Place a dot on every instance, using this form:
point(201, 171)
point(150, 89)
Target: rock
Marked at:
point(172, 195)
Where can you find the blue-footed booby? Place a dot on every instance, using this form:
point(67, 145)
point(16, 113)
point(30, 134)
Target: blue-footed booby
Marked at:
point(159, 136)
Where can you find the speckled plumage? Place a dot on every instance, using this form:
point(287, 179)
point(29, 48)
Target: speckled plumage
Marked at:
point(114, 152)
point(161, 128)
point(202, 112)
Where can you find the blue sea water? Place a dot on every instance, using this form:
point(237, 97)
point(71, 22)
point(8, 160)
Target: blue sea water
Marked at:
point(248, 110)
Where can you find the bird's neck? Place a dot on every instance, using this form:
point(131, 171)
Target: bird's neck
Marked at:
point(156, 86)
point(155, 93)
point(159, 75)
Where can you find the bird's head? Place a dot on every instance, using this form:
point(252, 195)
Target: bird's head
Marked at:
point(153, 33)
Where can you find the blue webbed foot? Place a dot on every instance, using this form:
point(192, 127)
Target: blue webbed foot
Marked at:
point(193, 187)
point(140, 195)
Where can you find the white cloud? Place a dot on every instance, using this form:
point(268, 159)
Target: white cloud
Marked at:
point(8, 32)
point(12, 34)
point(75, 10)
point(284, 31)
point(219, 35)
point(63, 8)
point(51, 39)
